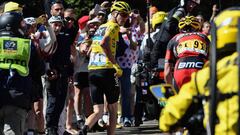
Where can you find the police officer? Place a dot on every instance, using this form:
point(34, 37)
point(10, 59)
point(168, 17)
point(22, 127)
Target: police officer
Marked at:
point(227, 82)
point(19, 61)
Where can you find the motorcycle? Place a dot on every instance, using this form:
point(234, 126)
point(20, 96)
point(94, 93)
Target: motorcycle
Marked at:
point(145, 100)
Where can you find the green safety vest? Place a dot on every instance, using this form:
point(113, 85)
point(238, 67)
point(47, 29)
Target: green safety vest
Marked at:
point(15, 54)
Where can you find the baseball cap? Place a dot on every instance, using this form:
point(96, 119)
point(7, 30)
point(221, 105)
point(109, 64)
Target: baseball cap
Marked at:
point(12, 6)
point(101, 11)
point(55, 19)
point(82, 22)
point(30, 20)
point(94, 20)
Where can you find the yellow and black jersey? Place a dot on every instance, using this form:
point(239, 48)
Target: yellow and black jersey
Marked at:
point(98, 59)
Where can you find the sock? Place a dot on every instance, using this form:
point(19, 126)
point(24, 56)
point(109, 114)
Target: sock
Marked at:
point(80, 117)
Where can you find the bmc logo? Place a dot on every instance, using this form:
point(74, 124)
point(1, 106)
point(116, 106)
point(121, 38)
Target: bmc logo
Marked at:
point(184, 65)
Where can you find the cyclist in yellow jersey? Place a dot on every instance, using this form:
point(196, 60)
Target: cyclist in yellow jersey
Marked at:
point(103, 68)
point(227, 82)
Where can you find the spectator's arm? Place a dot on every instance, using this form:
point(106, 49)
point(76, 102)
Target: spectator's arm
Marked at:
point(52, 37)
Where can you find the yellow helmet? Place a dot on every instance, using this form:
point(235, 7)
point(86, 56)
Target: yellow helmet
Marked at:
point(226, 23)
point(121, 6)
point(189, 24)
point(158, 18)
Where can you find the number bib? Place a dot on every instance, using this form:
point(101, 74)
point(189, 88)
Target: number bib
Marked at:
point(195, 46)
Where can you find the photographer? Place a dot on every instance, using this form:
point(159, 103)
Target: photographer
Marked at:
point(16, 78)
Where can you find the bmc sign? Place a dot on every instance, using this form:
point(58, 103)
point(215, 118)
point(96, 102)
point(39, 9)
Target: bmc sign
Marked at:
point(184, 65)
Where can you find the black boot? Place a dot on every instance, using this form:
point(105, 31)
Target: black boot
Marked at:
point(84, 130)
point(51, 131)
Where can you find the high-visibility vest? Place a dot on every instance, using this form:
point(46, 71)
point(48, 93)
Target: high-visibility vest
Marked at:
point(15, 54)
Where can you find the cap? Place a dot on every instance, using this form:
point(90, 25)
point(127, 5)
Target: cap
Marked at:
point(101, 12)
point(12, 6)
point(82, 22)
point(55, 19)
point(30, 20)
point(94, 20)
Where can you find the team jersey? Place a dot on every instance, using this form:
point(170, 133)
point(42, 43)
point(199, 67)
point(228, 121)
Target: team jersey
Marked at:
point(98, 59)
point(189, 52)
point(187, 44)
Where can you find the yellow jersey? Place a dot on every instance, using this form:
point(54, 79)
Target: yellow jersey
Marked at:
point(98, 58)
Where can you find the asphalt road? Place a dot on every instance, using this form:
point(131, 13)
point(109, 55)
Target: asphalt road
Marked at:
point(147, 128)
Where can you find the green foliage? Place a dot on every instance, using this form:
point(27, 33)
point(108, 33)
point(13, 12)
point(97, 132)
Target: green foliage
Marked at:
point(82, 7)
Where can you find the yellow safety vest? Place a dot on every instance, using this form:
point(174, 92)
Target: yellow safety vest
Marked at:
point(15, 54)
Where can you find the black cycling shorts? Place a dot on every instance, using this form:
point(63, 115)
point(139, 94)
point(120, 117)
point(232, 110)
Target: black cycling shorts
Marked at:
point(102, 81)
point(80, 80)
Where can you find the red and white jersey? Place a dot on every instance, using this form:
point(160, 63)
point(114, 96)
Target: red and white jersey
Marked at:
point(187, 44)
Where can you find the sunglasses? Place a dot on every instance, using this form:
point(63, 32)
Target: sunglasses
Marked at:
point(69, 19)
point(93, 25)
point(124, 15)
point(58, 9)
point(101, 14)
point(135, 11)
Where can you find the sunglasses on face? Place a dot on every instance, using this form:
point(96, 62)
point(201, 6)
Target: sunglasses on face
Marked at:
point(135, 11)
point(58, 9)
point(124, 15)
point(69, 19)
point(101, 14)
point(93, 25)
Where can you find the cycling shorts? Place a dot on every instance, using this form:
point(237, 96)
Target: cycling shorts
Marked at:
point(184, 67)
point(80, 80)
point(102, 81)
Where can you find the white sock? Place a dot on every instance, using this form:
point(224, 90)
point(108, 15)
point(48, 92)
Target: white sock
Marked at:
point(80, 117)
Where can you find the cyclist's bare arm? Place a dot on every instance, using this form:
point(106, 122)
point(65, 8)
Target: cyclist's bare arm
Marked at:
point(168, 75)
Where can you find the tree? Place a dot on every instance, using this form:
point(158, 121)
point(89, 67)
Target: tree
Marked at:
point(82, 7)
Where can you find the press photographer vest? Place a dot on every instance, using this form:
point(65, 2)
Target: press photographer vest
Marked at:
point(15, 54)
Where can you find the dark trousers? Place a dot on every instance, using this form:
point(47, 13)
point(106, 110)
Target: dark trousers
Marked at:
point(138, 111)
point(56, 91)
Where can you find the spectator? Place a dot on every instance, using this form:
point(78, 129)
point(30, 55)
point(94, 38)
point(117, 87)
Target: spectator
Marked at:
point(52, 81)
point(57, 8)
point(206, 28)
point(36, 114)
point(201, 19)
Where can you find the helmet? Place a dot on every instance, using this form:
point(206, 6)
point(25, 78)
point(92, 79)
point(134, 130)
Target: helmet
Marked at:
point(189, 24)
point(226, 23)
point(12, 6)
point(158, 17)
point(11, 22)
point(120, 6)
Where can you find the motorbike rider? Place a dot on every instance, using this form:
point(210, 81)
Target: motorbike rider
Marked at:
point(227, 82)
point(187, 51)
point(19, 66)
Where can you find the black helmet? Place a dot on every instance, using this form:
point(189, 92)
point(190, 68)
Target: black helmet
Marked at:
point(10, 24)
